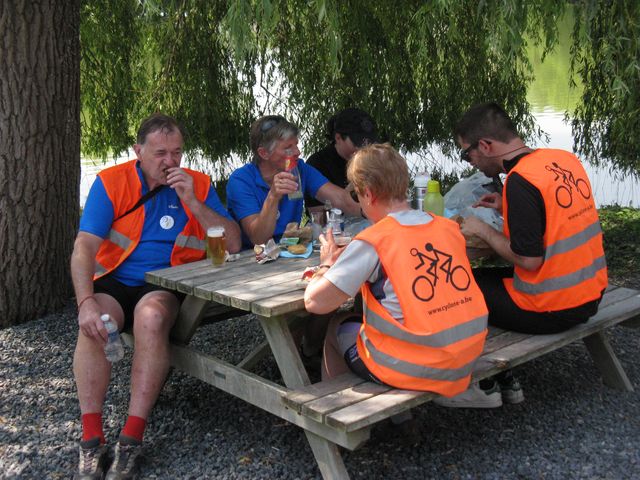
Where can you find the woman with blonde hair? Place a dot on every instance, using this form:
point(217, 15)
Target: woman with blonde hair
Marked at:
point(425, 320)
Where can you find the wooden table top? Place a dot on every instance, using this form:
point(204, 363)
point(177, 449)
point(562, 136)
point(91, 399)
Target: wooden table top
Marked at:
point(270, 289)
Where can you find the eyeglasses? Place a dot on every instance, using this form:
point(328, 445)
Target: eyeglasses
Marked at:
point(354, 196)
point(464, 154)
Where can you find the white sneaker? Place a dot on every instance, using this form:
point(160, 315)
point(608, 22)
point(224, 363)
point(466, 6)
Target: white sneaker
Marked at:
point(473, 397)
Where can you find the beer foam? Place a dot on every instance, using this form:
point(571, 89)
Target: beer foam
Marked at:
point(215, 232)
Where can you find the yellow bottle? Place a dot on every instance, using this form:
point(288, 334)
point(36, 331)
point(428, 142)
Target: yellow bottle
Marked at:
point(433, 200)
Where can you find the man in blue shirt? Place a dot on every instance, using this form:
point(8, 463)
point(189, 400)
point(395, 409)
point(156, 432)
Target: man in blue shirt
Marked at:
point(257, 193)
point(143, 215)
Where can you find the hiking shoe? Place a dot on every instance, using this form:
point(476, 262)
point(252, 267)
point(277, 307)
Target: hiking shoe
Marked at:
point(473, 397)
point(125, 463)
point(93, 460)
point(510, 388)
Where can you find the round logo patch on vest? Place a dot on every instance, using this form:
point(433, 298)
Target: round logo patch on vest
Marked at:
point(167, 222)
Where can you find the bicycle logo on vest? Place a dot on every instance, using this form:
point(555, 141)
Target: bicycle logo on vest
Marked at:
point(438, 264)
point(564, 193)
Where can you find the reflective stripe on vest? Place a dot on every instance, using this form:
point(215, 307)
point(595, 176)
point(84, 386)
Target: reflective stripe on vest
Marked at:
point(436, 340)
point(561, 282)
point(119, 239)
point(574, 241)
point(100, 269)
point(414, 370)
point(185, 241)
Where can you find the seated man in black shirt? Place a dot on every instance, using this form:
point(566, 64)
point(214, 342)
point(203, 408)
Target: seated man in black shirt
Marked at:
point(551, 234)
point(348, 130)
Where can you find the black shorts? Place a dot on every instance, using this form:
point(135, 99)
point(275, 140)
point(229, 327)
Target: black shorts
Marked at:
point(128, 297)
point(347, 333)
point(504, 313)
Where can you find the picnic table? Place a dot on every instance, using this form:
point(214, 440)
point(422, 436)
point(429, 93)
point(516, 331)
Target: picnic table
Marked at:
point(339, 412)
point(274, 293)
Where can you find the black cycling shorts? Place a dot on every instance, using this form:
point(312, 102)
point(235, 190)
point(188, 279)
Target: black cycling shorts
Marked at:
point(128, 297)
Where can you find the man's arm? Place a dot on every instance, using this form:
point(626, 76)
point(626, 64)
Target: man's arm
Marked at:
point(208, 218)
point(498, 242)
point(322, 296)
point(83, 266)
point(259, 227)
point(182, 182)
point(339, 197)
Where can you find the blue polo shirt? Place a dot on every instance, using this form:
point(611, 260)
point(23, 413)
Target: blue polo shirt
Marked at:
point(164, 219)
point(247, 192)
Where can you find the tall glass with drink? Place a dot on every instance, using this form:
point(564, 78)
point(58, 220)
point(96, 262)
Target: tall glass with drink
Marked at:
point(216, 245)
point(291, 166)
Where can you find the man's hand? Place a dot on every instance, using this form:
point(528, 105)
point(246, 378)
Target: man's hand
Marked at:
point(182, 183)
point(490, 200)
point(89, 321)
point(474, 226)
point(283, 183)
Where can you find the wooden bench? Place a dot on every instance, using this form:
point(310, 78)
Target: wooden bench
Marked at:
point(349, 404)
point(342, 411)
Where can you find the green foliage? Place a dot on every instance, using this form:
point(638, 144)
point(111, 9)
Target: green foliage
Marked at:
point(109, 39)
point(168, 56)
point(414, 65)
point(606, 54)
point(621, 227)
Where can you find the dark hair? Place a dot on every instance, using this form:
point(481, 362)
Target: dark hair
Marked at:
point(155, 122)
point(331, 129)
point(267, 130)
point(485, 120)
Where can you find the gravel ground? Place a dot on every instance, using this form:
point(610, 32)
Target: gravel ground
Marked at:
point(569, 427)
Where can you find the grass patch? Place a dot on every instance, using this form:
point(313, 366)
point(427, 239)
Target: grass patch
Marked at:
point(621, 228)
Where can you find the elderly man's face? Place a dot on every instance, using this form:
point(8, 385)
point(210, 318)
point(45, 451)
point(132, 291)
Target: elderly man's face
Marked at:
point(160, 151)
point(281, 150)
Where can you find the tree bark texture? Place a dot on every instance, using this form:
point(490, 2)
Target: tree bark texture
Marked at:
point(39, 154)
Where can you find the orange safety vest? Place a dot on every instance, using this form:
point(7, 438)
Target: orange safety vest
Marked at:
point(445, 316)
point(124, 189)
point(574, 270)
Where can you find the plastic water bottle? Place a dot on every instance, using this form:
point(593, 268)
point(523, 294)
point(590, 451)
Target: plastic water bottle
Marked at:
point(113, 350)
point(419, 190)
point(433, 200)
point(291, 166)
point(335, 221)
point(316, 225)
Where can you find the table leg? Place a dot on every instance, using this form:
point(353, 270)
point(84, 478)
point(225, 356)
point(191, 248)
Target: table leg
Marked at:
point(605, 359)
point(189, 318)
point(285, 351)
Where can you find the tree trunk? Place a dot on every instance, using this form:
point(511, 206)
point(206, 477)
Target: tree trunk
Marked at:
point(39, 154)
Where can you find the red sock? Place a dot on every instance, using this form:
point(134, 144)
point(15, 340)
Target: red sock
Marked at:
point(92, 427)
point(134, 427)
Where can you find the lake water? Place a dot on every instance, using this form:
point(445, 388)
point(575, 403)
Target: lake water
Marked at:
point(549, 96)
point(608, 189)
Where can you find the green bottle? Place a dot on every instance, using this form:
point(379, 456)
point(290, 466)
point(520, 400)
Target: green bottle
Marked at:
point(433, 201)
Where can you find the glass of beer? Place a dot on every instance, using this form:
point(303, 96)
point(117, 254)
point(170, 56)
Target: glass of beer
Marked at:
point(216, 245)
